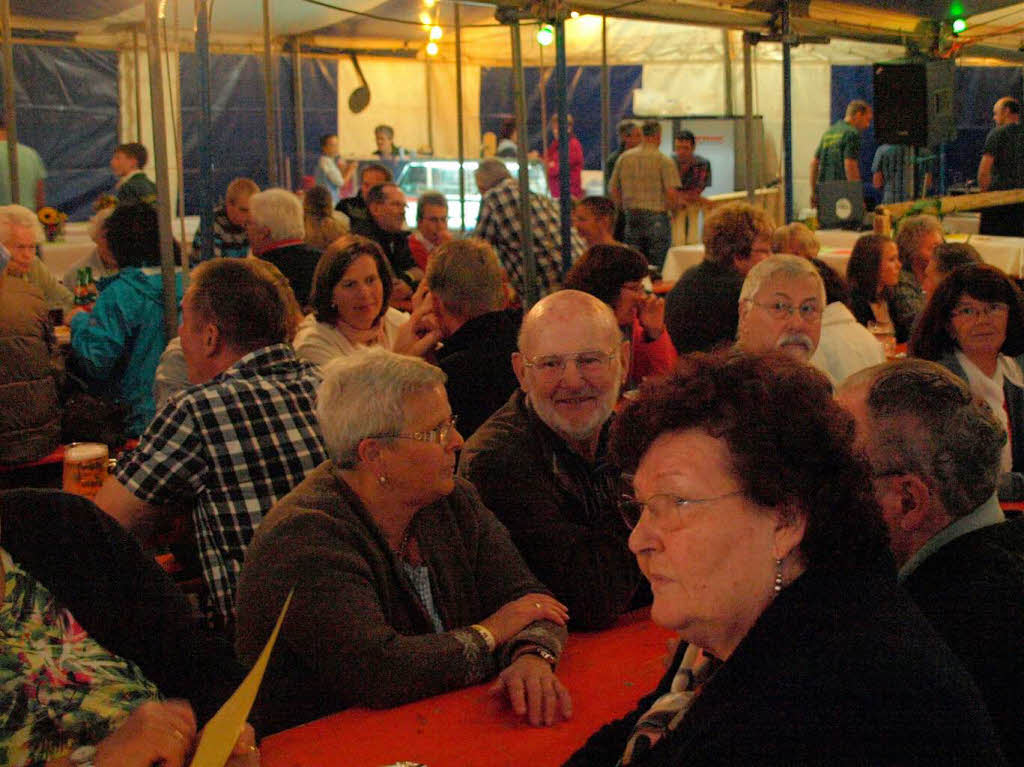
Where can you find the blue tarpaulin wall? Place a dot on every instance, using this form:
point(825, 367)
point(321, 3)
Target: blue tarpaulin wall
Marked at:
point(584, 102)
point(237, 97)
point(977, 89)
point(67, 110)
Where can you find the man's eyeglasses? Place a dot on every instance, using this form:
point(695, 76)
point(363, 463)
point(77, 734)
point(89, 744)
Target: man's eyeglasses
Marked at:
point(974, 312)
point(666, 509)
point(587, 363)
point(438, 435)
point(781, 310)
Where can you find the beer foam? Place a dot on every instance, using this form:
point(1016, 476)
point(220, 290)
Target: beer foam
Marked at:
point(85, 451)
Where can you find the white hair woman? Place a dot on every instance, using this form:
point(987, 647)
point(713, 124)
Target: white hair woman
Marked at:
point(405, 584)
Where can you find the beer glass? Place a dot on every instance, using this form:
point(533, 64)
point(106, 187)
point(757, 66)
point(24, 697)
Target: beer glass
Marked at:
point(85, 468)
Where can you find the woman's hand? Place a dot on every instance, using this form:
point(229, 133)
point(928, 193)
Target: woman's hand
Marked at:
point(534, 690)
point(513, 617)
point(651, 314)
point(420, 334)
point(153, 733)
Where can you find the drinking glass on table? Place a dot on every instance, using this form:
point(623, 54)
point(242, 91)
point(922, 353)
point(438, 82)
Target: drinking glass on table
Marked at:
point(885, 334)
point(85, 468)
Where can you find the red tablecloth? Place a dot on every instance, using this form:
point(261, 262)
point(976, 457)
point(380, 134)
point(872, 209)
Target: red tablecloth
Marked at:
point(606, 673)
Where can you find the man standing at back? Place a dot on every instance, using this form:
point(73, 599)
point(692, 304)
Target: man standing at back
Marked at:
point(539, 462)
point(370, 175)
point(1002, 167)
point(837, 157)
point(31, 174)
point(644, 185)
point(224, 450)
point(133, 185)
point(934, 452)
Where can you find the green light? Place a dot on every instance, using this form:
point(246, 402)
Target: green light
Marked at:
point(959, 25)
point(546, 34)
point(956, 8)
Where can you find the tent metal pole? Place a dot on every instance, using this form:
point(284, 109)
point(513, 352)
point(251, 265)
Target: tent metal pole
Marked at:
point(10, 110)
point(179, 165)
point(299, 116)
point(458, 118)
point(427, 67)
point(137, 54)
point(748, 118)
point(163, 185)
point(205, 131)
point(787, 111)
point(270, 82)
point(606, 102)
point(564, 196)
point(727, 70)
point(525, 231)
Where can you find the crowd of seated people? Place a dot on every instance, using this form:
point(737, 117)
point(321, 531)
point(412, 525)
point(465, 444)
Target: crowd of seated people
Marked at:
point(311, 433)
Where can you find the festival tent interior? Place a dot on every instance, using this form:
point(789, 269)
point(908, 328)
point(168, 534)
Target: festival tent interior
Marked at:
point(82, 76)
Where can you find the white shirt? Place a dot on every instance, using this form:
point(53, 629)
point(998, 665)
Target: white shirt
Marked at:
point(990, 389)
point(846, 346)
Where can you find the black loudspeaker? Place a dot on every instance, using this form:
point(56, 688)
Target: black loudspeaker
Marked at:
point(914, 102)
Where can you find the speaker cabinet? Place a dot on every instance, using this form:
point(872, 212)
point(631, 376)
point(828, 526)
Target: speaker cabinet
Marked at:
point(914, 102)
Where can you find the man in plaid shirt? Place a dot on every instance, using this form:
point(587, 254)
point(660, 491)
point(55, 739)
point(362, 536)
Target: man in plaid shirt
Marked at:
point(499, 225)
point(227, 448)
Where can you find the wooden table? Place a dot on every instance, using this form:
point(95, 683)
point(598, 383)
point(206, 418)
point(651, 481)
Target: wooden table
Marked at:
point(606, 672)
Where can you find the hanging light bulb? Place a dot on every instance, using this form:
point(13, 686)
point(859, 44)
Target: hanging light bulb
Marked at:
point(425, 19)
point(432, 48)
point(435, 33)
point(546, 34)
point(574, 14)
point(429, 3)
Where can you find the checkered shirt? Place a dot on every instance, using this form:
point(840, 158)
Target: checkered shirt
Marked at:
point(232, 447)
point(499, 225)
point(643, 176)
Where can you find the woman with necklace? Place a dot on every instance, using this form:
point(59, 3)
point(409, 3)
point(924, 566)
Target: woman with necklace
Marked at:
point(351, 289)
point(406, 586)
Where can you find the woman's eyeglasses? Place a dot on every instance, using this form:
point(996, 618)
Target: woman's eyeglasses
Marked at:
point(666, 509)
point(987, 310)
point(439, 434)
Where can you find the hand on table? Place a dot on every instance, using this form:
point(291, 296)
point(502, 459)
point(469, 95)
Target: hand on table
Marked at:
point(153, 733)
point(652, 316)
point(534, 690)
point(513, 617)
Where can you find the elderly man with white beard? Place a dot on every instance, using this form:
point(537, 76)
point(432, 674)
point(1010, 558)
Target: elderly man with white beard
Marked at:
point(781, 303)
point(539, 462)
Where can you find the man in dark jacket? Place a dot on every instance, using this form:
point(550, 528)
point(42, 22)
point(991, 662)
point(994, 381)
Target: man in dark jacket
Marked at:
point(934, 451)
point(386, 227)
point(469, 294)
point(276, 233)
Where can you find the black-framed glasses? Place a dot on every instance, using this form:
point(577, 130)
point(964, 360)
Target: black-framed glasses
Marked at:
point(587, 363)
point(809, 311)
point(666, 509)
point(438, 435)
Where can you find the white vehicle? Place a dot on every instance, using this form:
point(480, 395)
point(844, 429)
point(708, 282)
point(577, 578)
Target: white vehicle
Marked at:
point(442, 176)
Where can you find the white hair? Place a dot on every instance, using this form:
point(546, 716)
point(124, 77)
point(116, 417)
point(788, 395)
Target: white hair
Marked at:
point(95, 225)
point(363, 395)
point(280, 211)
point(780, 265)
point(18, 215)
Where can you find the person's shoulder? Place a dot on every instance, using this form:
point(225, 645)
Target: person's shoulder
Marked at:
point(504, 435)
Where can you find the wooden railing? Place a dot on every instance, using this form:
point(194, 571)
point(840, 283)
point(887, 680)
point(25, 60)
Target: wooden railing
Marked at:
point(686, 226)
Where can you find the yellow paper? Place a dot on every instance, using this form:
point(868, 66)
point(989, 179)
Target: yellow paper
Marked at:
point(221, 732)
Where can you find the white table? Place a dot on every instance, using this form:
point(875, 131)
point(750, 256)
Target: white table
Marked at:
point(76, 245)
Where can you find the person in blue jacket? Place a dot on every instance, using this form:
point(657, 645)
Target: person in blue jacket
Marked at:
point(117, 345)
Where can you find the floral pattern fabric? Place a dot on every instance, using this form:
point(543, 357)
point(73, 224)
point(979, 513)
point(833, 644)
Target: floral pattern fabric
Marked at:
point(58, 687)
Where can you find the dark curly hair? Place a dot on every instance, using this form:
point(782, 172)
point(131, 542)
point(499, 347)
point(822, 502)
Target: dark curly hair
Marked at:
point(931, 339)
point(603, 269)
point(791, 445)
point(332, 267)
point(134, 236)
point(730, 231)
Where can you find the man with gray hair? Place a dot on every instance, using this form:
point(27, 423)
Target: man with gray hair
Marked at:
point(276, 231)
point(21, 234)
point(934, 452)
point(468, 288)
point(499, 225)
point(780, 307)
point(540, 463)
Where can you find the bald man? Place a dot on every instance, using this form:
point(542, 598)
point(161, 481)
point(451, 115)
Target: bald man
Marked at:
point(1002, 167)
point(539, 462)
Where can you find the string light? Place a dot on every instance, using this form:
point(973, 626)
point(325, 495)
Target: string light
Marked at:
point(435, 33)
point(425, 19)
point(574, 14)
point(546, 34)
point(432, 48)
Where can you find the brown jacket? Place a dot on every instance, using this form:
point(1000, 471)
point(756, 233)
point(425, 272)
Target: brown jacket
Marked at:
point(29, 408)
